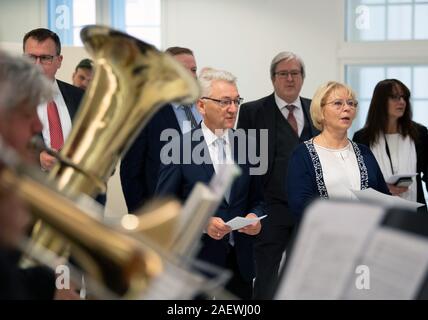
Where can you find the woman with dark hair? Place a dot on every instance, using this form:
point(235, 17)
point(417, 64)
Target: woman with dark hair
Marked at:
point(398, 143)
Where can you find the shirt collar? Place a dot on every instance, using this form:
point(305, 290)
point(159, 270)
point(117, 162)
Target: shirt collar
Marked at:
point(210, 137)
point(177, 105)
point(281, 103)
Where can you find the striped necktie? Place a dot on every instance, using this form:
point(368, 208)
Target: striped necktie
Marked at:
point(190, 117)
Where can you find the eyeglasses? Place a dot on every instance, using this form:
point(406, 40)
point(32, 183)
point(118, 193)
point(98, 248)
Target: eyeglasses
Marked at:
point(340, 104)
point(285, 74)
point(44, 58)
point(397, 97)
point(225, 102)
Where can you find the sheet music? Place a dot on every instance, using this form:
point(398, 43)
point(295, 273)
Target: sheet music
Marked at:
point(372, 195)
point(331, 237)
point(397, 262)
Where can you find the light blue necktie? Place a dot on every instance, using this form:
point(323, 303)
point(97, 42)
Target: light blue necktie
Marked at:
point(221, 157)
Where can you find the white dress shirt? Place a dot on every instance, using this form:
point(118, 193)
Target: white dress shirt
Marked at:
point(64, 116)
point(298, 111)
point(210, 139)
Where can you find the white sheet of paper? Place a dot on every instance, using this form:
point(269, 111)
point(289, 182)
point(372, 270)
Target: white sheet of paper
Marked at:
point(331, 236)
point(372, 195)
point(397, 262)
point(240, 222)
point(393, 179)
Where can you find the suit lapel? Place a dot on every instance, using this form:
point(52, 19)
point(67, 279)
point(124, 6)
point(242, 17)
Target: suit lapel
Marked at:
point(207, 167)
point(267, 114)
point(168, 115)
point(306, 105)
point(67, 99)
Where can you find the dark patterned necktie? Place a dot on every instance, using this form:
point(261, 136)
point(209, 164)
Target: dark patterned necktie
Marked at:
point(291, 118)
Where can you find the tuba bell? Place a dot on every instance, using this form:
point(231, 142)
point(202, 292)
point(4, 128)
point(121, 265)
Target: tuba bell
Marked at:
point(132, 81)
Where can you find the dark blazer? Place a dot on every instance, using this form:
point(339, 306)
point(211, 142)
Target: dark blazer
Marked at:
point(140, 165)
point(36, 283)
point(260, 114)
point(421, 145)
point(72, 96)
point(304, 185)
point(245, 197)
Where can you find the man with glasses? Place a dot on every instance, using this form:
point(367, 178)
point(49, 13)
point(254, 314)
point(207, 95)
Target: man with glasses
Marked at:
point(220, 245)
point(43, 48)
point(286, 117)
point(139, 167)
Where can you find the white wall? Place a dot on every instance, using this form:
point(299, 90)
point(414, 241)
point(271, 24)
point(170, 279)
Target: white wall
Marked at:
point(241, 36)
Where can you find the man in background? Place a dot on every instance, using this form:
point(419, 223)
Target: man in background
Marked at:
point(43, 48)
point(139, 167)
point(83, 74)
point(286, 117)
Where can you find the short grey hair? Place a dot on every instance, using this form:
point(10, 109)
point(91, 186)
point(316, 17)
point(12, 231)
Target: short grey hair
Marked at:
point(287, 56)
point(208, 75)
point(22, 82)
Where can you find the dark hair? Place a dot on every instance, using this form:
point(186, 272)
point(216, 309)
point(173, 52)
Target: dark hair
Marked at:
point(377, 117)
point(85, 64)
point(41, 34)
point(175, 51)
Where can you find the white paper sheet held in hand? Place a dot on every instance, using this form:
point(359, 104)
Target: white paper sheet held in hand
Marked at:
point(372, 195)
point(240, 222)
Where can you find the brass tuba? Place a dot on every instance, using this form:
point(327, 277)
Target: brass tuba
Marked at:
point(132, 81)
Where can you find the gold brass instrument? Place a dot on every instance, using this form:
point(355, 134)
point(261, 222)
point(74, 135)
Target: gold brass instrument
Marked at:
point(125, 266)
point(132, 81)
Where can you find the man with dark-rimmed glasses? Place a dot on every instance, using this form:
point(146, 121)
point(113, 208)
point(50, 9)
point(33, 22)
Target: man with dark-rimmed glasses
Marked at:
point(43, 48)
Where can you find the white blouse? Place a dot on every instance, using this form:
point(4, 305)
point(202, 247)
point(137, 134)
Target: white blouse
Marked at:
point(340, 171)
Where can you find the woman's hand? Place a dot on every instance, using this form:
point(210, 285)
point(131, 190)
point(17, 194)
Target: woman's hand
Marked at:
point(396, 191)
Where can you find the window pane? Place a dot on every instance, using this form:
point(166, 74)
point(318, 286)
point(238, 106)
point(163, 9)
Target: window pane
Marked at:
point(360, 119)
point(420, 81)
point(376, 25)
point(420, 111)
point(142, 12)
point(421, 21)
point(399, 1)
point(400, 22)
point(363, 80)
point(83, 12)
point(148, 34)
point(401, 73)
point(377, 20)
point(368, 78)
point(371, 1)
point(76, 37)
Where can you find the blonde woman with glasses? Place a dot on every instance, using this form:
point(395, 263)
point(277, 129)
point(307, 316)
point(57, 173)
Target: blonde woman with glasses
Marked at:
point(330, 165)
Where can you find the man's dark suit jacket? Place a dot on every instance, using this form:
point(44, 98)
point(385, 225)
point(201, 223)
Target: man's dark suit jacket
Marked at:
point(72, 97)
point(140, 166)
point(260, 114)
point(278, 226)
point(36, 283)
point(245, 197)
